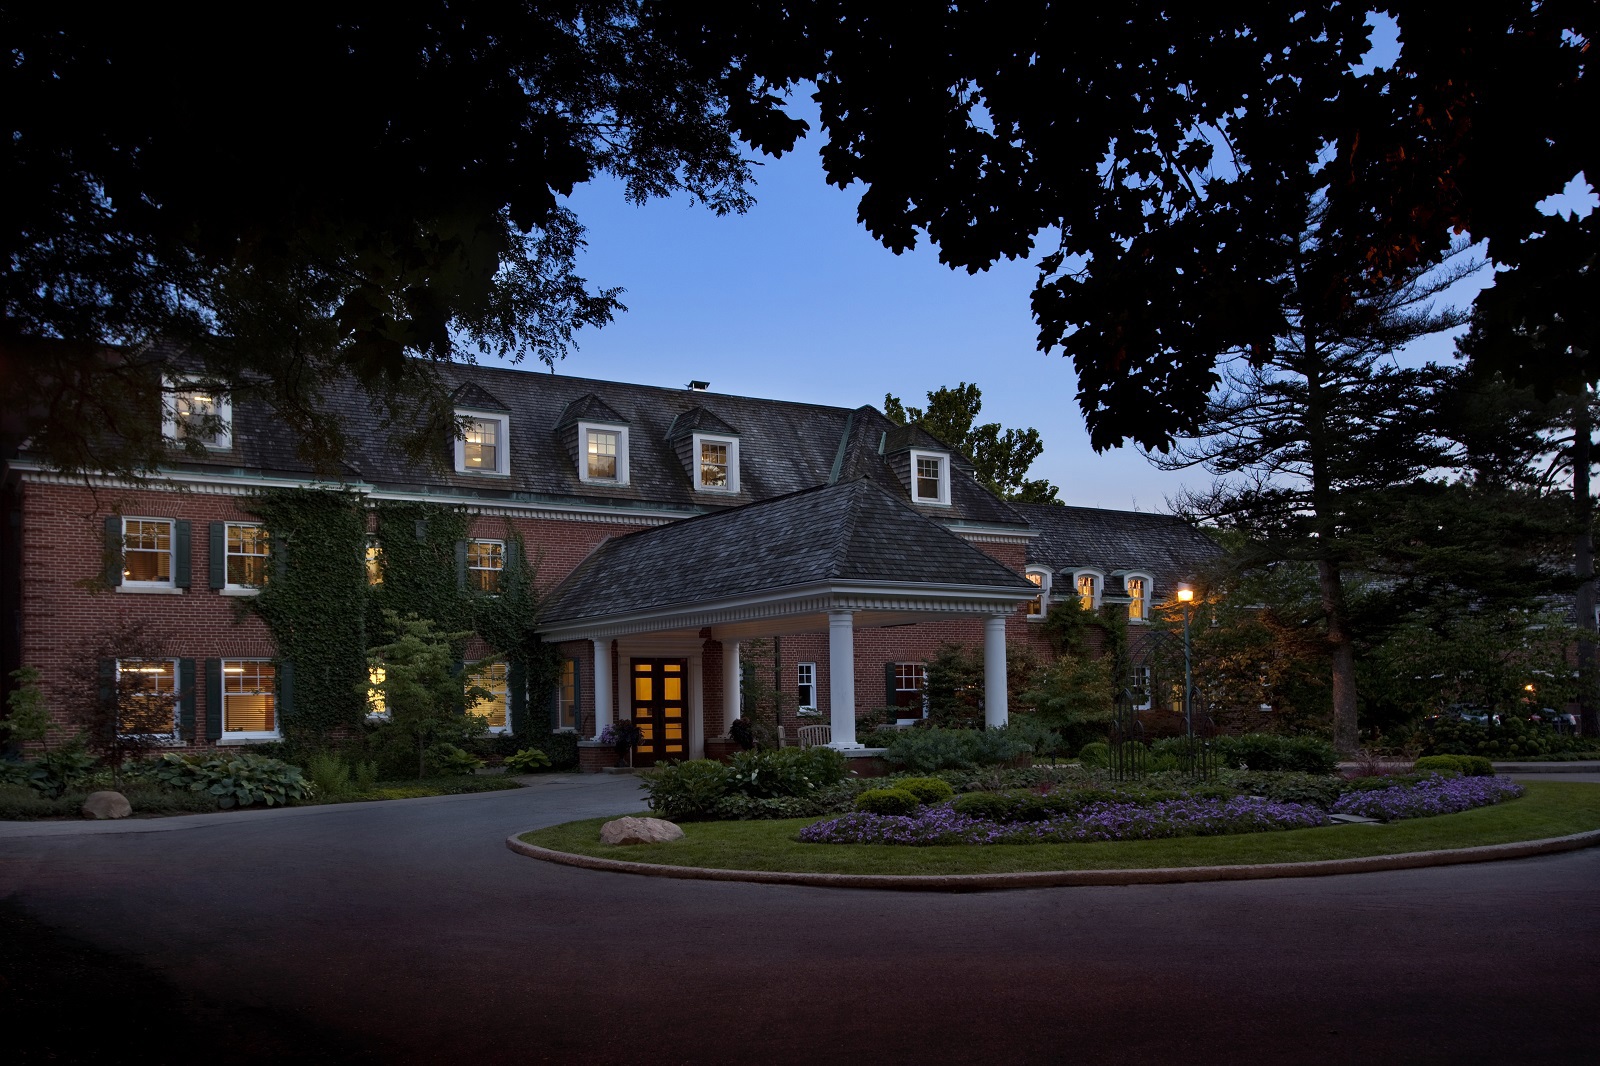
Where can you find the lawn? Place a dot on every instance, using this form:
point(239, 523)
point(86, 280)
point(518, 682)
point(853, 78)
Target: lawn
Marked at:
point(1549, 809)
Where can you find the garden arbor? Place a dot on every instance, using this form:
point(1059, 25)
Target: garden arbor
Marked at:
point(834, 560)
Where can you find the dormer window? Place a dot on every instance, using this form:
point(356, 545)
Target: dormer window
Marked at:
point(195, 412)
point(1039, 606)
point(605, 454)
point(717, 466)
point(1088, 588)
point(930, 477)
point(483, 447)
point(1139, 587)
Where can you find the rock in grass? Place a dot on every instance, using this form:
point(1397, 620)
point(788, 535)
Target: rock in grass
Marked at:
point(639, 831)
point(106, 805)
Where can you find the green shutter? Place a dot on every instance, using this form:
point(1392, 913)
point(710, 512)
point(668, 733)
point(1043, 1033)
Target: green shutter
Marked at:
point(888, 685)
point(461, 564)
point(108, 682)
point(213, 700)
point(219, 555)
point(186, 699)
point(182, 553)
point(113, 550)
point(517, 689)
point(285, 706)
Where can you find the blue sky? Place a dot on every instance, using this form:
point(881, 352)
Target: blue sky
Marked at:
point(795, 300)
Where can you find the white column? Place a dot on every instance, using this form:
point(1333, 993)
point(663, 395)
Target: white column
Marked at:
point(696, 726)
point(842, 678)
point(730, 683)
point(602, 686)
point(994, 671)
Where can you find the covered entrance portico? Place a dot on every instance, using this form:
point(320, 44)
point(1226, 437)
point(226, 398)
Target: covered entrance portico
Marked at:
point(832, 560)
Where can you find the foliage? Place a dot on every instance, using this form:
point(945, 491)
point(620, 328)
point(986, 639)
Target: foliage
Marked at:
point(685, 791)
point(785, 771)
point(739, 729)
point(923, 751)
point(314, 602)
point(20, 802)
point(328, 774)
point(739, 807)
point(421, 689)
point(528, 761)
point(763, 783)
point(1000, 457)
point(1428, 797)
point(413, 244)
point(1511, 736)
point(1263, 751)
point(887, 801)
point(235, 780)
point(926, 789)
point(27, 720)
point(1095, 753)
point(763, 701)
point(1073, 697)
point(1465, 765)
point(443, 759)
point(953, 687)
point(1288, 786)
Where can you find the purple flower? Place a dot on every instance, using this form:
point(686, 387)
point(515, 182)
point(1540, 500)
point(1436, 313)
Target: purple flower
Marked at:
point(1433, 795)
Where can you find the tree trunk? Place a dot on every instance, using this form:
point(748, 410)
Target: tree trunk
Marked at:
point(1343, 656)
point(1583, 563)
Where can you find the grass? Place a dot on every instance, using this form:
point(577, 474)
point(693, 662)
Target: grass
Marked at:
point(428, 786)
point(1549, 809)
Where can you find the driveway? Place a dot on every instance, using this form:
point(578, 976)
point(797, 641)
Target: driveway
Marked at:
point(407, 932)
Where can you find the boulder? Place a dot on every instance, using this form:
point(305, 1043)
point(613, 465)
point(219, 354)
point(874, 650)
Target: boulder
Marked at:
point(639, 831)
point(106, 805)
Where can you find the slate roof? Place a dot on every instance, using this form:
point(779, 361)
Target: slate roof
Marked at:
point(699, 420)
point(588, 408)
point(1163, 546)
point(472, 395)
point(855, 530)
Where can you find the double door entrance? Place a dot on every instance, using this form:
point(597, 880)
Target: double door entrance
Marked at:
point(660, 696)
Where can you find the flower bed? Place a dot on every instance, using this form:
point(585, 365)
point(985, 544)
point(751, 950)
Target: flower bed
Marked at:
point(941, 824)
point(1430, 796)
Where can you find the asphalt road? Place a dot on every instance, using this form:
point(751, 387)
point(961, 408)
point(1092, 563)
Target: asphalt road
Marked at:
point(407, 933)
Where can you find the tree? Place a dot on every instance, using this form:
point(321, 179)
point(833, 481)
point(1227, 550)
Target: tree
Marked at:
point(1151, 142)
point(330, 193)
point(422, 687)
point(1001, 457)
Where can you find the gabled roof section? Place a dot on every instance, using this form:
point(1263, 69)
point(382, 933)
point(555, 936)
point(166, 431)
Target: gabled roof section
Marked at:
point(699, 420)
point(1164, 546)
point(588, 408)
point(471, 395)
point(855, 531)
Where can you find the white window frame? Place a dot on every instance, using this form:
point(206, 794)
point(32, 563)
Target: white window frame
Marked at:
point(561, 695)
point(172, 425)
point(502, 450)
point(732, 444)
point(377, 709)
point(132, 666)
point(472, 585)
point(805, 674)
point(1141, 672)
point(1099, 580)
point(170, 585)
point(229, 588)
point(584, 429)
point(1147, 600)
point(1045, 577)
point(922, 691)
point(477, 674)
point(253, 736)
point(943, 497)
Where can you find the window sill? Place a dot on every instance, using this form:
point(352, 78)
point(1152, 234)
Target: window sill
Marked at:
point(808, 712)
point(239, 742)
point(506, 474)
point(150, 590)
point(238, 590)
point(920, 502)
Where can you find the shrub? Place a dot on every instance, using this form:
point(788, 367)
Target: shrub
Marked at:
point(923, 751)
point(1263, 751)
point(926, 789)
point(1510, 737)
point(1040, 738)
point(1319, 790)
point(1096, 753)
point(739, 808)
point(447, 760)
point(1442, 764)
point(238, 780)
point(764, 773)
point(684, 791)
point(887, 801)
point(528, 761)
point(329, 774)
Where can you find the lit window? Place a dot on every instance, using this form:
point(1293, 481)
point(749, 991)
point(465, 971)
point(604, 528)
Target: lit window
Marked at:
point(374, 561)
point(491, 677)
point(717, 469)
point(602, 449)
point(147, 552)
point(485, 561)
point(930, 477)
point(1088, 591)
point(198, 414)
point(483, 445)
point(247, 550)
point(1139, 686)
point(1138, 601)
point(806, 678)
point(147, 698)
point(249, 699)
point(1039, 606)
point(909, 679)
point(566, 696)
point(376, 707)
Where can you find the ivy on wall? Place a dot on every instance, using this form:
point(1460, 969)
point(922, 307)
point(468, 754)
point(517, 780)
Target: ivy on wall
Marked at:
point(1069, 624)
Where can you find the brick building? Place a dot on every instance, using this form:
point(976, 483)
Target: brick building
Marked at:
point(667, 529)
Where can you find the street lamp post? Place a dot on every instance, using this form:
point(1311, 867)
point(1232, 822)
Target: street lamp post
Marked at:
point(1185, 597)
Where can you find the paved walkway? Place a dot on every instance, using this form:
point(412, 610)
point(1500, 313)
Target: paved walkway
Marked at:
point(406, 932)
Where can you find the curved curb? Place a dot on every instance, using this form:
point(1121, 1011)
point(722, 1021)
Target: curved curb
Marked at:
point(1520, 849)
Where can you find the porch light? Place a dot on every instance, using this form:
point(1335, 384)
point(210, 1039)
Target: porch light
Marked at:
point(1185, 592)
